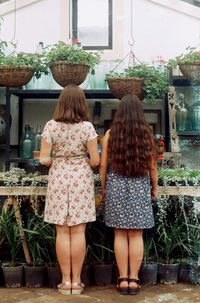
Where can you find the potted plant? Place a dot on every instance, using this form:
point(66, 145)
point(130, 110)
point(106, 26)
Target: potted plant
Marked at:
point(189, 64)
point(147, 82)
point(69, 65)
point(37, 239)
point(149, 267)
point(17, 68)
point(102, 251)
point(12, 270)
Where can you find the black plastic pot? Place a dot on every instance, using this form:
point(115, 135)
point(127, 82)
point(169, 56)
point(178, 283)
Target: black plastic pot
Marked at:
point(148, 273)
point(13, 275)
point(2, 283)
point(54, 275)
point(35, 276)
point(86, 274)
point(194, 273)
point(168, 273)
point(183, 275)
point(115, 273)
point(103, 274)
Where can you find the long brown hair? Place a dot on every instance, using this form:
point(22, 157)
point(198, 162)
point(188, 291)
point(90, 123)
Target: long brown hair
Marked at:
point(131, 144)
point(72, 105)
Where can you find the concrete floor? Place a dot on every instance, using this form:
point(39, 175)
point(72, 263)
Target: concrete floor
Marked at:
point(179, 293)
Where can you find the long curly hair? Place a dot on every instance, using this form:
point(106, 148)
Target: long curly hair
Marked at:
point(131, 144)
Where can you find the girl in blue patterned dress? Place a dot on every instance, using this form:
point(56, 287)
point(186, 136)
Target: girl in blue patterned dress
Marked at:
point(128, 172)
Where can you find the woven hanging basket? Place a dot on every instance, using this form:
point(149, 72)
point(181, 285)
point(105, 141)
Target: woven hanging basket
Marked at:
point(15, 76)
point(121, 87)
point(191, 70)
point(65, 73)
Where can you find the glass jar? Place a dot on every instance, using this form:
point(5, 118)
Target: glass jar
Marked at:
point(182, 114)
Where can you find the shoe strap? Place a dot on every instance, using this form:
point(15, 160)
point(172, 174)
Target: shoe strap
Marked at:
point(67, 283)
point(134, 280)
point(121, 280)
point(80, 284)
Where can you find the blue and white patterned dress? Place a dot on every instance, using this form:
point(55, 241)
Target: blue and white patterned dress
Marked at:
point(128, 202)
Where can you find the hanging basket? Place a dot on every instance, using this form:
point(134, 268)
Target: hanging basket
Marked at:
point(191, 70)
point(121, 87)
point(65, 73)
point(15, 76)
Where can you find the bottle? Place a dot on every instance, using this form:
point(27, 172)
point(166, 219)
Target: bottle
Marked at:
point(161, 147)
point(37, 138)
point(182, 114)
point(27, 144)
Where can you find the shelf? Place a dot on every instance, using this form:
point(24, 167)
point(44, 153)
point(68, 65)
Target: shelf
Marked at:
point(54, 94)
point(4, 146)
point(181, 81)
point(189, 133)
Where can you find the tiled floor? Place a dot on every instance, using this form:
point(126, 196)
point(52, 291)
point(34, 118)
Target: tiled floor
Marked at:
point(179, 293)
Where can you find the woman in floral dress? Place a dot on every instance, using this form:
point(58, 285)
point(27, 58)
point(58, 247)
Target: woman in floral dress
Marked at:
point(128, 164)
point(70, 202)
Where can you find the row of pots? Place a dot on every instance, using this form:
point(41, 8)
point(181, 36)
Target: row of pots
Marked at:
point(98, 274)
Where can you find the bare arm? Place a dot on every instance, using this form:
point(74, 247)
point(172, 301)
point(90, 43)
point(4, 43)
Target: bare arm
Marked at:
point(154, 178)
point(103, 163)
point(92, 148)
point(45, 152)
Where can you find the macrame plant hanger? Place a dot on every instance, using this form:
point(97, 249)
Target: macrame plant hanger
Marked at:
point(131, 56)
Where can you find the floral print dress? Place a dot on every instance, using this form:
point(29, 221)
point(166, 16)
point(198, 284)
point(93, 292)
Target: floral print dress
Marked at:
point(70, 193)
point(128, 202)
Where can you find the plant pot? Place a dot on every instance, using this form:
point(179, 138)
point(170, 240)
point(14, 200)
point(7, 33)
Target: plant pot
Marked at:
point(35, 276)
point(183, 275)
point(54, 275)
point(168, 273)
point(148, 273)
point(13, 275)
point(86, 274)
point(15, 76)
point(115, 273)
point(102, 274)
point(121, 87)
point(65, 73)
point(191, 70)
point(2, 283)
point(194, 273)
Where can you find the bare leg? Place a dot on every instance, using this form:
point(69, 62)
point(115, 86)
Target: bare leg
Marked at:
point(63, 251)
point(121, 253)
point(136, 250)
point(78, 247)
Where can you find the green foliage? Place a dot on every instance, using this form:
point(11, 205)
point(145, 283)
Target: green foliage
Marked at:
point(63, 52)
point(12, 58)
point(10, 229)
point(191, 55)
point(40, 239)
point(156, 83)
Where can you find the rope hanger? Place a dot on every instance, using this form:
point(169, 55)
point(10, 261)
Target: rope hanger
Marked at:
point(131, 43)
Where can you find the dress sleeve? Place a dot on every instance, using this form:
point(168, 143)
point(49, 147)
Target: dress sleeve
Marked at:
point(47, 132)
point(91, 132)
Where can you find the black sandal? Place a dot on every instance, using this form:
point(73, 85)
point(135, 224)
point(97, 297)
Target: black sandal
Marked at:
point(134, 290)
point(122, 290)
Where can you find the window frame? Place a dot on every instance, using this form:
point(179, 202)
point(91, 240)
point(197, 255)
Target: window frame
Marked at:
point(110, 26)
